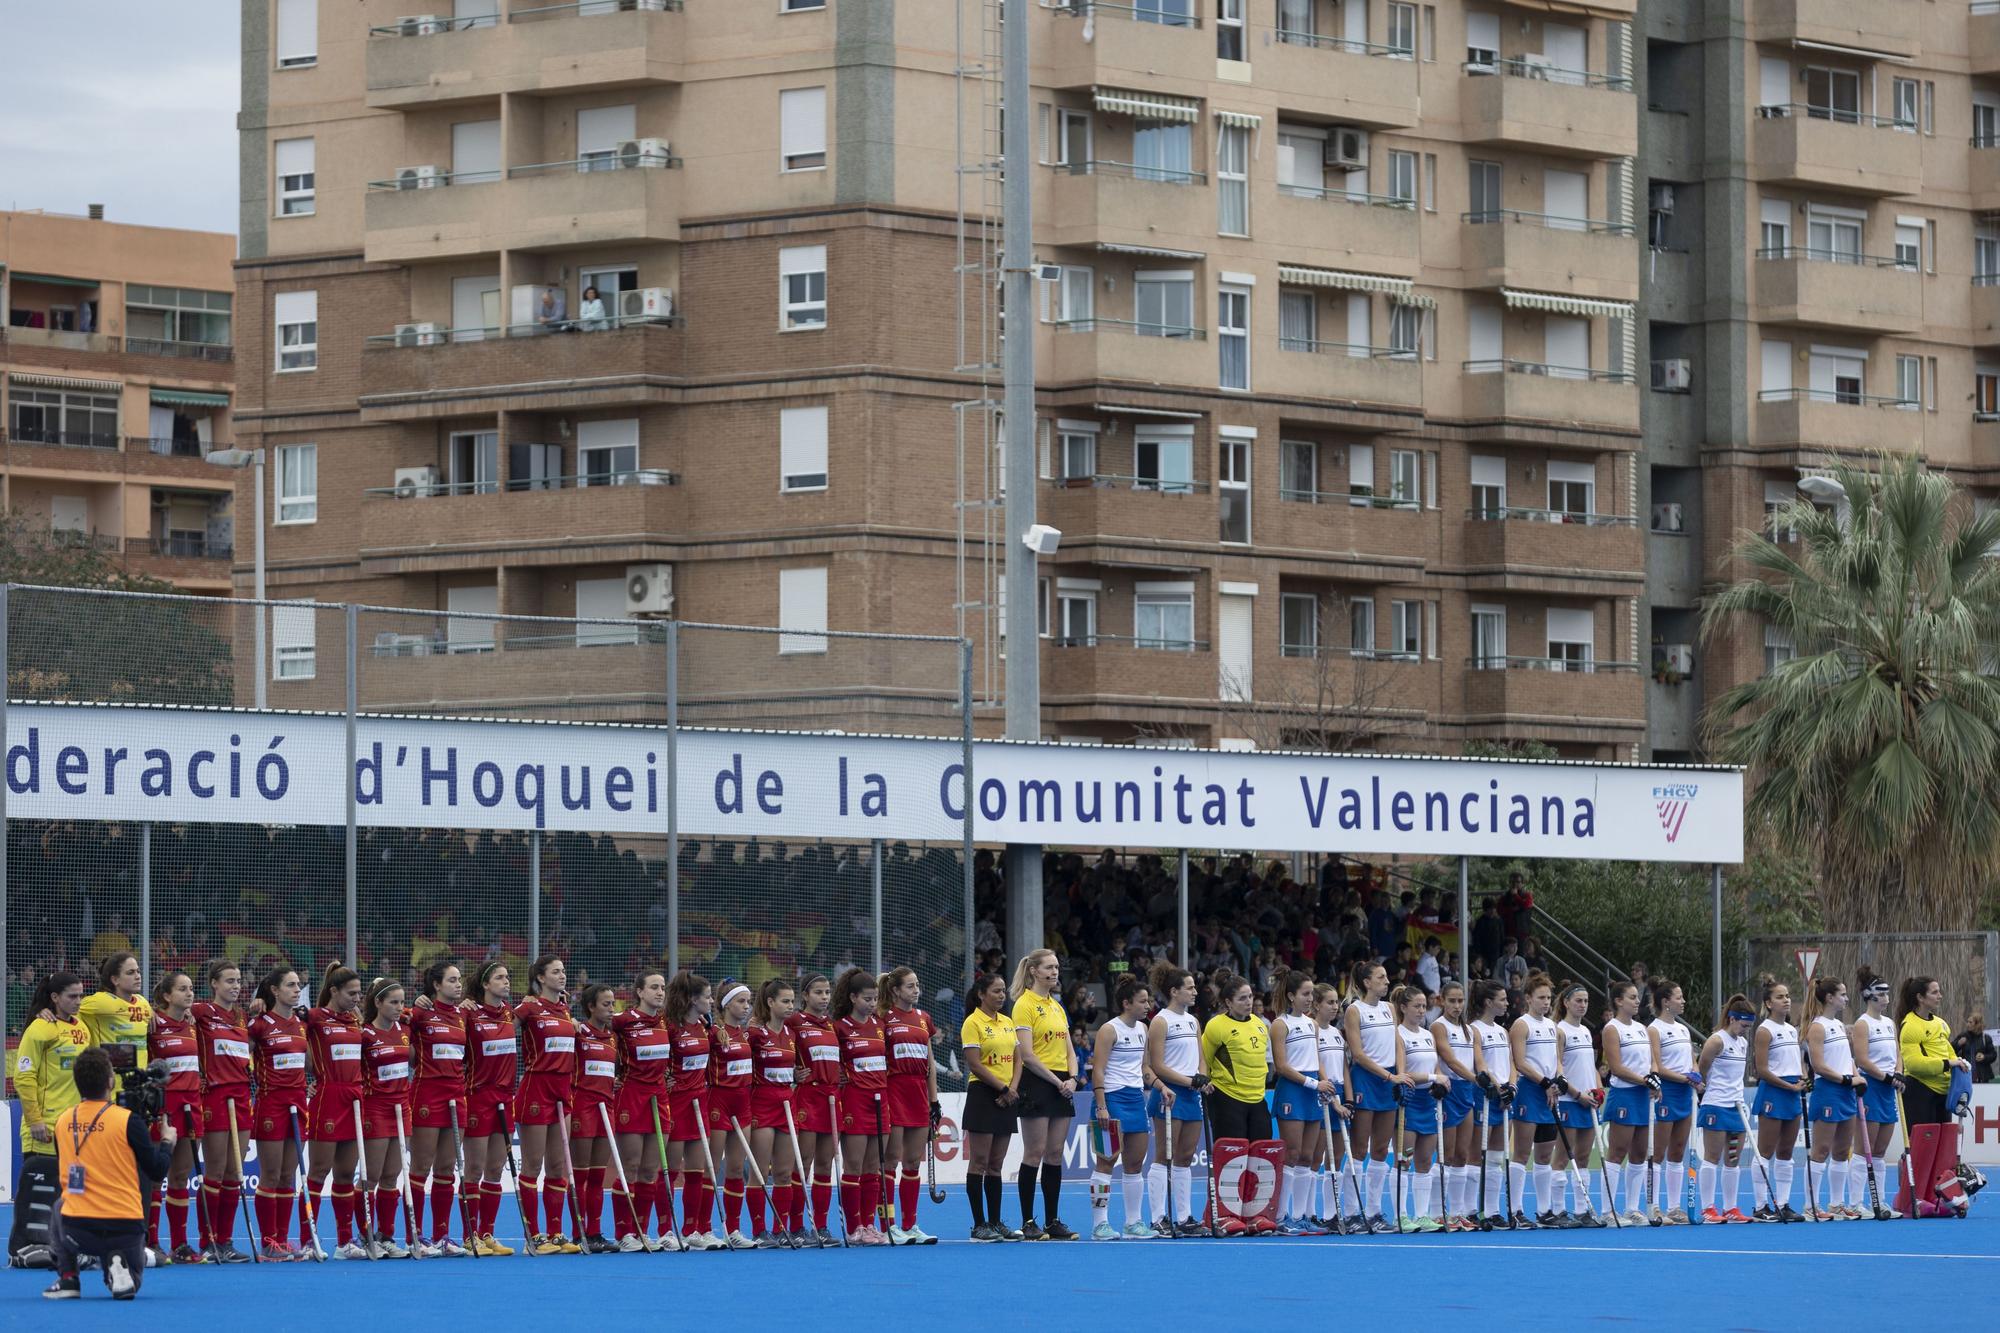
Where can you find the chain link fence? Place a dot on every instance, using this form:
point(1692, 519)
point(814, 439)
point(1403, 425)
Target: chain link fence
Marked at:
point(1966, 964)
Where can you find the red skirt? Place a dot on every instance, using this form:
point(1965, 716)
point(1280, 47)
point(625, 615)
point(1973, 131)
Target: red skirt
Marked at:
point(588, 1122)
point(682, 1126)
point(636, 1106)
point(432, 1105)
point(486, 1108)
point(725, 1104)
point(908, 1102)
point(216, 1104)
point(183, 1113)
point(331, 1113)
point(863, 1110)
point(378, 1116)
point(767, 1106)
point(541, 1096)
point(813, 1107)
point(272, 1116)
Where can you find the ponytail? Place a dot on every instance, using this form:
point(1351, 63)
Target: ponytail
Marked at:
point(760, 1012)
point(267, 989)
point(335, 978)
point(851, 983)
point(1126, 991)
point(885, 989)
point(163, 986)
point(682, 992)
point(1034, 959)
point(371, 1005)
point(1165, 979)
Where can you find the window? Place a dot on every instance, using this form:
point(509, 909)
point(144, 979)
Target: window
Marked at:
point(800, 6)
point(1572, 634)
point(1163, 617)
point(1402, 170)
point(1986, 394)
point(1572, 488)
point(1298, 320)
point(1361, 626)
point(1430, 182)
point(176, 315)
point(599, 131)
point(1401, 37)
point(1833, 94)
point(1232, 336)
point(1489, 486)
point(297, 44)
point(1298, 625)
point(1298, 470)
point(1406, 628)
point(298, 330)
point(1295, 22)
point(607, 452)
point(1072, 138)
point(1076, 614)
point(1986, 125)
point(802, 610)
point(294, 170)
point(1072, 300)
point(1077, 449)
point(1903, 102)
point(802, 287)
point(475, 151)
point(1489, 638)
point(1232, 180)
point(475, 462)
point(1163, 150)
point(1406, 331)
point(1985, 254)
point(298, 483)
point(1836, 377)
point(1360, 474)
point(1301, 161)
point(1777, 495)
point(1909, 383)
point(1834, 237)
point(802, 449)
point(598, 601)
point(1778, 647)
point(1775, 237)
point(1909, 247)
point(1483, 184)
point(802, 128)
point(1482, 41)
point(534, 467)
point(1229, 30)
point(1232, 482)
point(293, 647)
point(1163, 459)
point(1163, 304)
point(1403, 478)
point(470, 627)
point(43, 415)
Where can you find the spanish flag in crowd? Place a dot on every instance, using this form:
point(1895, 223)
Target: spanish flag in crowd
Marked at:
point(1416, 932)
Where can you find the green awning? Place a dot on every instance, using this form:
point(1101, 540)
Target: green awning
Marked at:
point(59, 282)
point(189, 398)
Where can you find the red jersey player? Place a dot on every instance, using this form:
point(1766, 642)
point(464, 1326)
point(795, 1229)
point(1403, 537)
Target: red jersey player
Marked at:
point(438, 1104)
point(912, 1101)
point(333, 1041)
point(864, 1055)
point(596, 1085)
point(172, 1046)
point(388, 1075)
point(542, 1103)
point(223, 1042)
point(728, 1103)
point(774, 1054)
point(278, 1051)
point(689, 1000)
point(813, 1105)
point(645, 1055)
point(492, 1048)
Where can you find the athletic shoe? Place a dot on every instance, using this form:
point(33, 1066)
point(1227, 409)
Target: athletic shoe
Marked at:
point(1104, 1231)
point(1163, 1230)
point(1710, 1216)
point(983, 1234)
point(421, 1249)
point(1678, 1217)
point(1190, 1227)
point(1429, 1224)
point(1381, 1226)
point(1059, 1230)
point(919, 1236)
point(186, 1254)
point(157, 1257)
point(1354, 1225)
point(896, 1235)
point(1851, 1213)
point(596, 1243)
point(870, 1236)
point(63, 1289)
point(119, 1278)
point(1140, 1231)
point(1635, 1218)
point(1735, 1215)
point(709, 1241)
point(1031, 1230)
point(1591, 1221)
point(1887, 1215)
point(1655, 1218)
point(278, 1252)
point(227, 1253)
point(827, 1240)
point(770, 1240)
point(1546, 1217)
point(351, 1250)
point(1764, 1214)
point(1790, 1214)
point(631, 1244)
point(1562, 1222)
point(387, 1244)
point(667, 1242)
point(1001, 1231)
point(446, 1248)
point(1522, 1222)
point(496, 1248)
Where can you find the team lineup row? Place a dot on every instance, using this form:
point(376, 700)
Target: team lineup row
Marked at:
point(775, 1095)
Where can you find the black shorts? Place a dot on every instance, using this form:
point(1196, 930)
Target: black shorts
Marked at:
point(1544, 1133)
point(1231, 1119)
point(1039, 1097)
point(984, 1114)
point(1922, 1105)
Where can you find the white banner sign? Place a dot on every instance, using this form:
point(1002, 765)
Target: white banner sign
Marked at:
point(154, 764)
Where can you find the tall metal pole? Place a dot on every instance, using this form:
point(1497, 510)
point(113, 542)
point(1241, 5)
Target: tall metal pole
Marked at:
point(145, 909)
point(351, 854)
point(263, 613)
point(1024, 668)
point(1465, 925)
point(673, 800)
point(1715, 937)
point(1183, 933)
point(6, 687)
point(965, 834)
point(534, 891)
point(875, 904)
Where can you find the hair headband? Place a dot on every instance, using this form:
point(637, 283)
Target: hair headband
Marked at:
point(729, 996)
point(1741, 1016)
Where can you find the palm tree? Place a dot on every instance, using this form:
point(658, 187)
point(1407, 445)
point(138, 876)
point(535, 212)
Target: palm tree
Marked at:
point(1876, 749)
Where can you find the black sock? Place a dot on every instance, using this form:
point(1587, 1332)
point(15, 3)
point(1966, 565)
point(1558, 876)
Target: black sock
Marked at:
point(993, 1201)
point(975, 1194)
point(1028, 1174)
point(1051, 1188)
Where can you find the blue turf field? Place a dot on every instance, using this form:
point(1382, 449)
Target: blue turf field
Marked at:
point(1880, 1276)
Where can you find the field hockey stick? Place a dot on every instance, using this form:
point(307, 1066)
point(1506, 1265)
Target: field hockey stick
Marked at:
point(666, 1180)
point(1909, 1160)
point(756, 1172)
point(574, 1186)
point(465, 1203)
point(1868, 1156)
point(236, 1152)
point(1649, 1187)
point(364, 1206)
point(520, 1202)
point(1597, 1145)
point(1214, 1199)
point(1333, 1165)
point(403, 1184)
point(885, 1201)
point(839, 1157)
point(304, 1186)
point(618, 1167)
point(1762, 1169)
point(1805, 1114)
point(802, 1170)
point(930, 1163)
point(715, 1183)
point(203, 1212)
point(1483, 1222)
point(1396, 1150)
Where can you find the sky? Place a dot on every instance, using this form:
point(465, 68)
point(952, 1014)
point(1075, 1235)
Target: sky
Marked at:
point(126, 103)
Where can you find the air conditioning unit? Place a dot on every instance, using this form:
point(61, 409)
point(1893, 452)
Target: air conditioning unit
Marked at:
point(1673, 375)
point(646, 303)
point(390, 644)
point(422, 25)
point(644, 153)
point(1346, 148)
point(418, 335)
point(1676, 657)
point(1660, 199)
point(649, 590)
point(1669, 518)
point(422, 178)
point(413, 483)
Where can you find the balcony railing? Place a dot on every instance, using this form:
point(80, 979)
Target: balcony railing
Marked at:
point(74, 341)
point(439, 337)
point(591, 8)
point(1841, 115)
point(1334, 194)
point(591, 166)
point(1135, 171)
point(1085, 8)
point(1587, 667)
point(1837, 396)
point(1496, 365)
point(180, 545)
point(1144, 329)
point(438, 25)
point(68, 439)
point(1118, 481)
point(1819, 254)
point(645, 476)
point(1986, 279)
point(1165, 645)
point(1348, 46)
point(1552, 221)
point(1521, 67)
point(166, 448)
point(1505, 513)
point(1359, 351)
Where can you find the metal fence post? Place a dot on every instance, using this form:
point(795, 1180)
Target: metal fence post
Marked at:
point(965, 833)
point(6, 776)
point(534, 892)
point(1184, 909)
point(1715, 939)
point(673, 800)
point(145, 909)
point(875, 904)
point(351, 853)
point(1465, 924)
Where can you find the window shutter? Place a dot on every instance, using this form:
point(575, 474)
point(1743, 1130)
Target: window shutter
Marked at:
point(1571, 625)
point(802, 606)
point(1482, 32)
point(802, 121)
point(294, 157)
point(802, 445)
point(298, 30)
point(1489, 471)
point(296, 307)
point(600, 129)
point(608, 434)
point(802, 259)
point(1361, 465)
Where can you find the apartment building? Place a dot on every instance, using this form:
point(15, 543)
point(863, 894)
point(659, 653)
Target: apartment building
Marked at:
point(1338, 405)
point(1823, 249)
point(116, 373)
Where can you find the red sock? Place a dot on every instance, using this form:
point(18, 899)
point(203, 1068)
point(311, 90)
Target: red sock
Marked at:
point(153, 1219)
point(309, 1211)
point(690, 1203)
point(871, 1201)
point(591, 1201)
point(266, 1204)
point(385, 1212)
point(281, 1214)
point(495, 1197)
point(555, 1198)
point(756, 1197)
point(177, 1204)
point(822, 1192)
point(911, 1191)
point(531, 1205)
point(204, 1215)
point(343, 1213)
point(644, 1195)
point(416, 1210)
point(850, 1202)
point(732, 1206)
point(226, 1200)
point(442, 1195)
point(796, 1214)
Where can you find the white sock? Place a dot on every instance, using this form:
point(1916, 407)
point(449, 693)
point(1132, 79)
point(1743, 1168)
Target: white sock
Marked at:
point(1760, 1193)
point(1156, 1180)
point(1517, 1186)
point(1579, 1188)
point(1732, 1186)
point(1305, 1193)
point(1781, 1181)
point(1182, 1182)
point(1661, 1199)
point(1545, 1188)
point(1489, 1203)
point(1100, 1198)
point(1857, 1182)
point(1377, 1180)
point(1350, 1188)
point(1705, 1184)
point(1135, 1197)
point(1422, 1188)
point(1635, 1186)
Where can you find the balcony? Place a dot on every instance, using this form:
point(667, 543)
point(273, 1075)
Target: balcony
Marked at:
point(1985, 309)
point(1124, 47)
point(1575, 113)
point(1529, 392)
point(1355, 83)
point(1305, 368)
point(1673, 567)
point(1127, 204)
point(1315, 683)
point(539, 49)
point(1108, 666)
point(1118, 349)
point(1864, 25)
point(1673, 714)
point(1983, 175)
point(1817, 420)
point(1373, 232)
point(458, 371)
point(1835, 289)
point(1553, 688)
point(1984, 36)
point(1574, 256)
point(466, 525)
point(541, 671)
point(1395, 536)
point(1542, 550)
point(66, 340)
point(1106, 505)
point(543, 206)
point(1839, 150)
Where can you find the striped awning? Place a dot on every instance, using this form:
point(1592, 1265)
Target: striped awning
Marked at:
point(1565, 305)
point(1147, 106)
point(1417, 299)
point(63, 382)
point(189, 398)
point(1148, 251)
point(1241, 120)
point(1339, 279)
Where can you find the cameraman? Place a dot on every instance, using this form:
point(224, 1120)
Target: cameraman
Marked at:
point(42, 1074)
point(105, 1152)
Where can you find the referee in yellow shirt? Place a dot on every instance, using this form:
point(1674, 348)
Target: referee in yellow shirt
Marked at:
point(992, 1097)
point(1047, 1082)
point(44, 1076)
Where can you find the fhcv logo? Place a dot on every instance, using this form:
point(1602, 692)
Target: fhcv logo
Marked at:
point(1671, 804)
